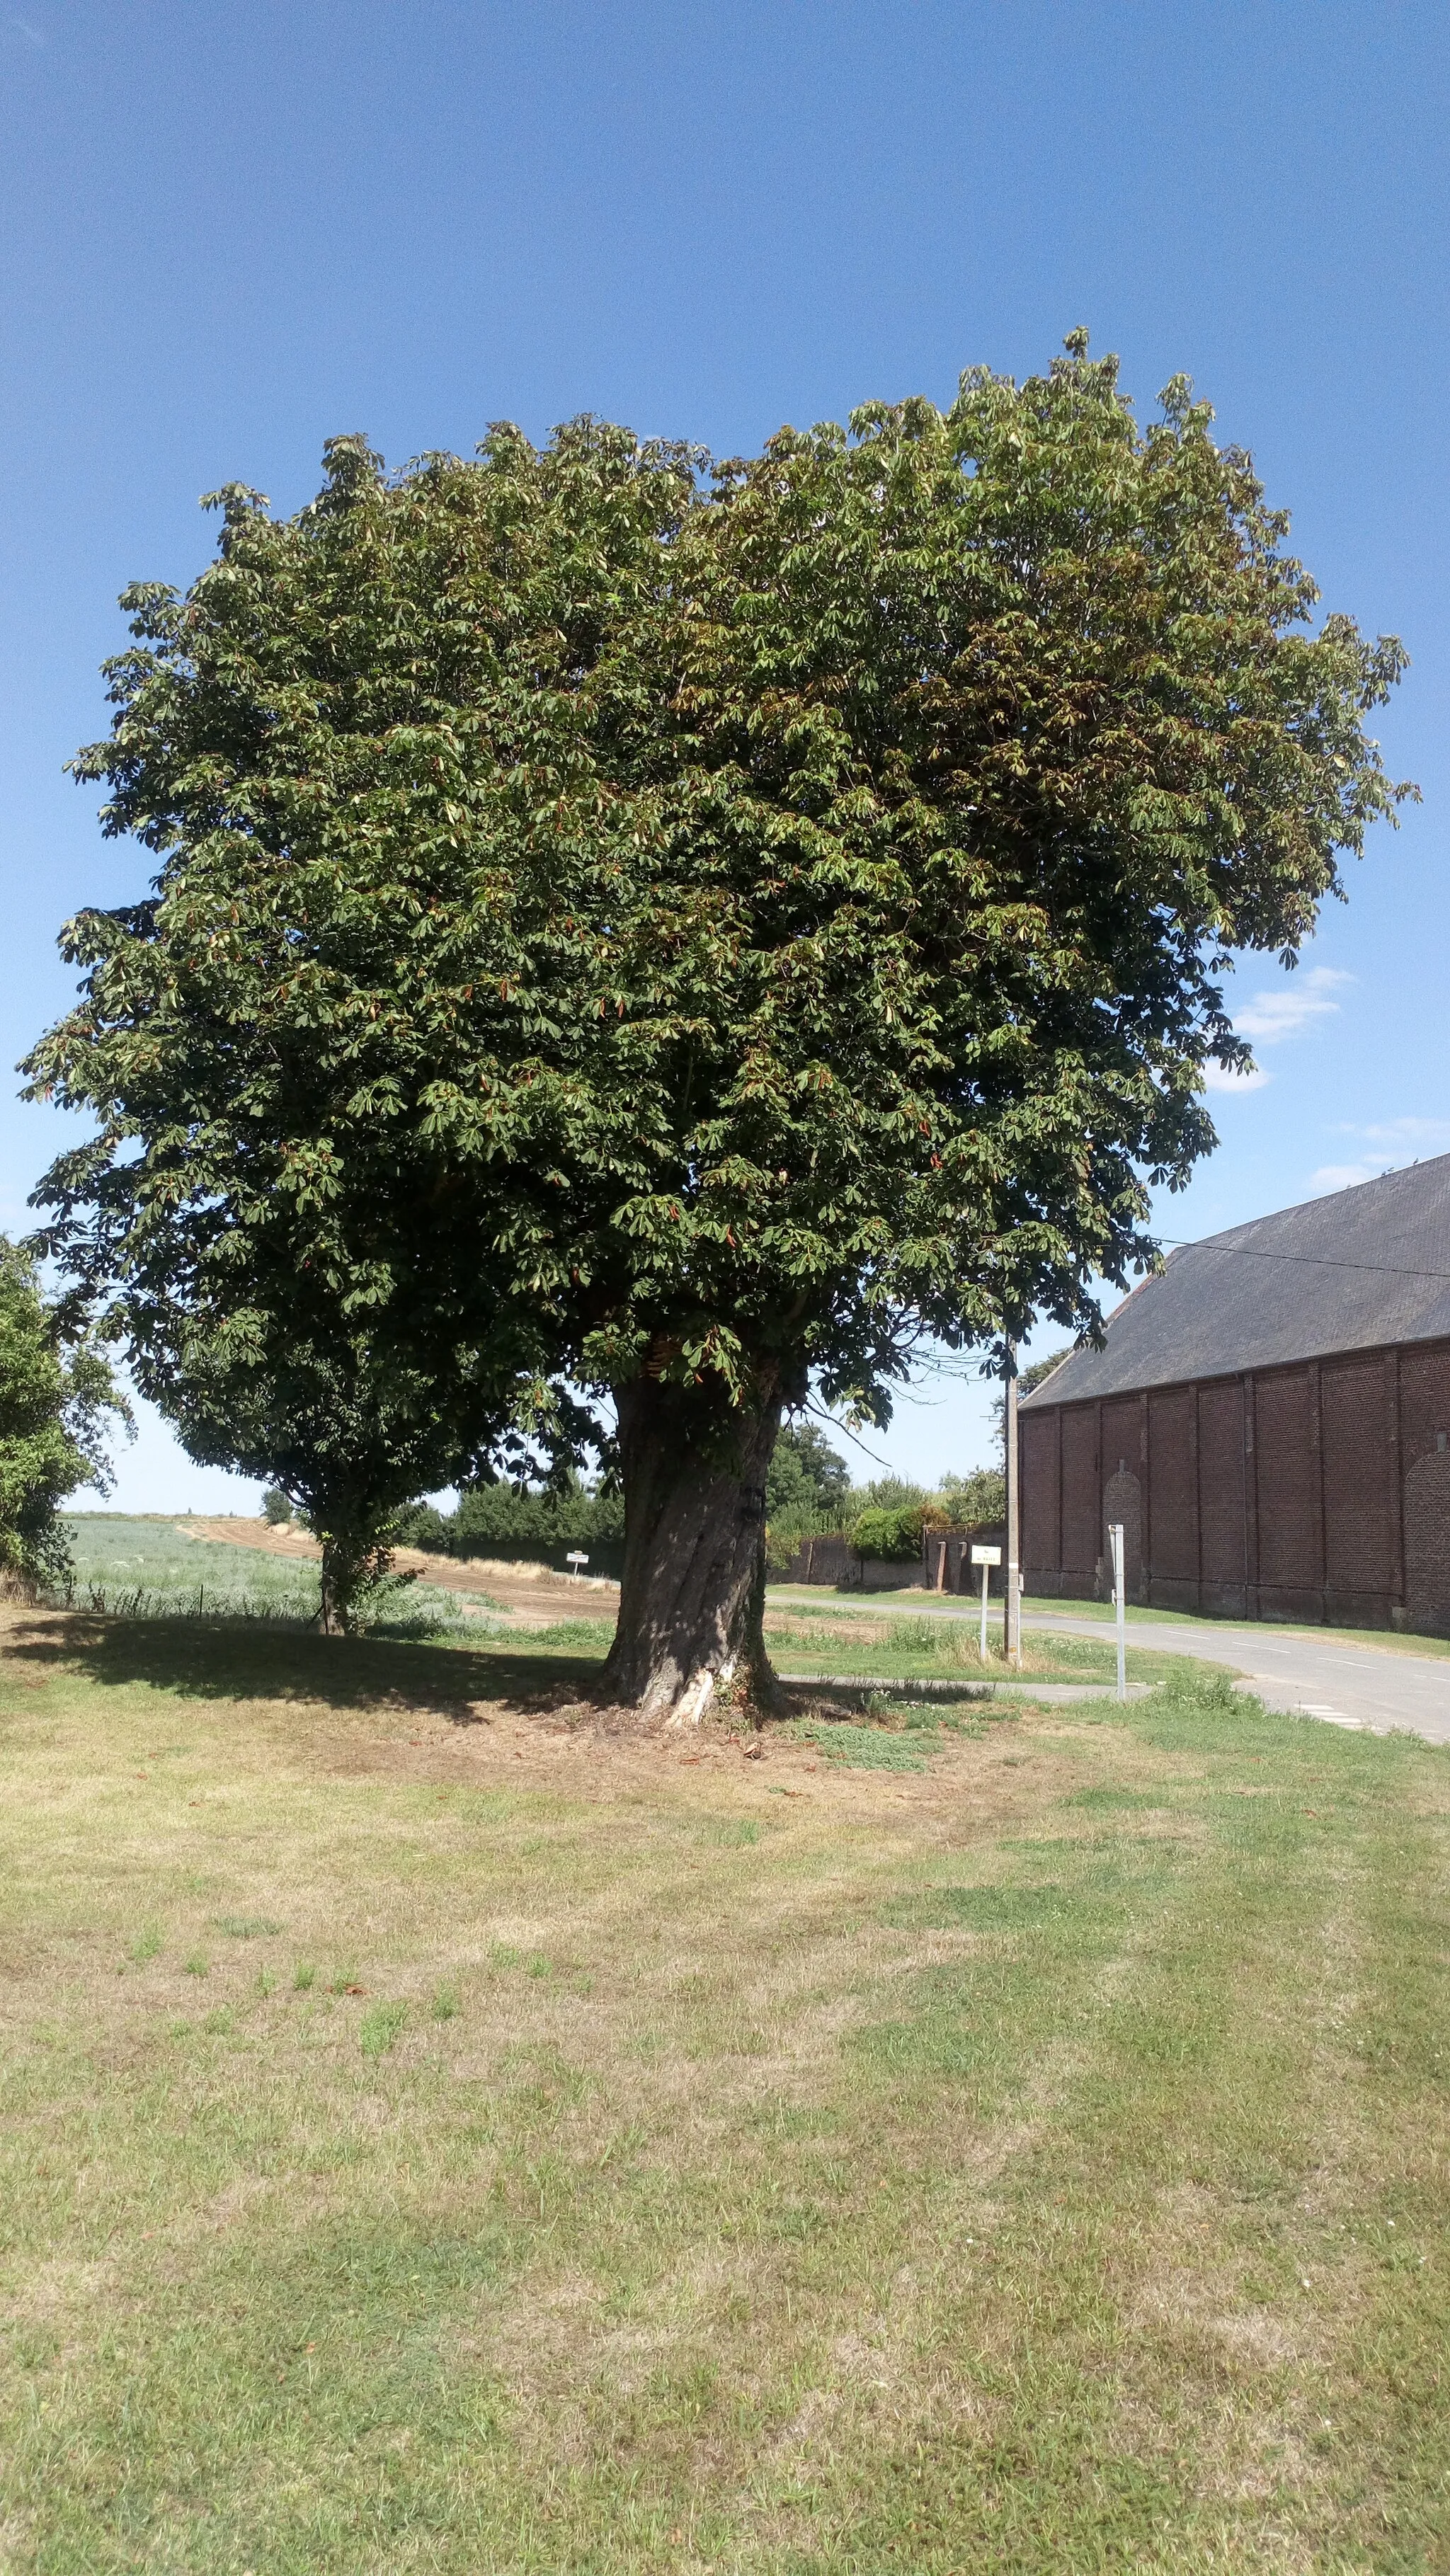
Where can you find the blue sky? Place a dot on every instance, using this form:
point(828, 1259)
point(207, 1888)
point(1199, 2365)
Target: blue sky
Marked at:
point(230, 231)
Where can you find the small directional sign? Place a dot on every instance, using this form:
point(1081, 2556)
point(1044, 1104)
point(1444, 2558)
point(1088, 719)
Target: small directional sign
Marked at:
point(986, 1558)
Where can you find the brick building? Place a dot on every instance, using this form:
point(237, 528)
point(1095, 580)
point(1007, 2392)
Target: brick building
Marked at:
point(1268, 1419)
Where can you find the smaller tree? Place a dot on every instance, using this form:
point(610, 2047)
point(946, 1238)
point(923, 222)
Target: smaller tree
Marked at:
point(807, 1482)
point(974, 1501)
point(276, 1506)
point(348, 1426)
point(55, 1394)
point(536, 1521)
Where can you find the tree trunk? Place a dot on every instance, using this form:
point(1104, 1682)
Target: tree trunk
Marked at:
point(693, 1590)
point(356, 1562)
point(335, 1614)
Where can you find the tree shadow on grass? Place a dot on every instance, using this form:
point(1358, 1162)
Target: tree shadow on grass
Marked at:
point(242, 1661)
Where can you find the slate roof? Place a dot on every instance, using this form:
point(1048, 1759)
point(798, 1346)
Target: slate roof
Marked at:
point(1358, 1270)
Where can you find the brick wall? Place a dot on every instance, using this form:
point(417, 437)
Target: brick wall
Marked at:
point(1424, 1424)
point(1361, 1540)
point(1082, 1544)
point(1318, 1492)
point(834, 1560)
point(1286, 1475)
point(1172, 1537)
point(1223, 1557)
point(947, 1561)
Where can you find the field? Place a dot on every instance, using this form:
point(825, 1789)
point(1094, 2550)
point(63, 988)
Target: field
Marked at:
point(148, 1566)
point(443, 2134)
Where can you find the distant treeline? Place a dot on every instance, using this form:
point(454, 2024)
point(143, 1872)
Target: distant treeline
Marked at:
point(809, 1492)
point(536, 1527)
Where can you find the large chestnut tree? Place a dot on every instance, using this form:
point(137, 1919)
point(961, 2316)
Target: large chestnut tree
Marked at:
point(686, 933)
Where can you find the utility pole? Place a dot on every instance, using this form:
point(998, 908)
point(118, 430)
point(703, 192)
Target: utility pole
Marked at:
point(1012, 1604)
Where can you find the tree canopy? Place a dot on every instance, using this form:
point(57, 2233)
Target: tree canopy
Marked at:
point(687, 934)
point(55, 1396)
point(317, 1284)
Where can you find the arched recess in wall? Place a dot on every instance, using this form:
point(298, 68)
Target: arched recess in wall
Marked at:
point(1123, 1501)
point(1427, 1541)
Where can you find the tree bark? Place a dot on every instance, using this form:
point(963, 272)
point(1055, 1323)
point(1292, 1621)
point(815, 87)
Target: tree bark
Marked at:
point(692, 1595)
point(337, 1575)
point(356, 1561)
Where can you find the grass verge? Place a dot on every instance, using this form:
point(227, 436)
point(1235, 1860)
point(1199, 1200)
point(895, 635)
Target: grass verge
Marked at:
point(1393, 1641)
point(579, 2155)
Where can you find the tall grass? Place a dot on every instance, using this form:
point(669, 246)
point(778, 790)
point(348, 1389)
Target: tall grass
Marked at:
point(125, 1567)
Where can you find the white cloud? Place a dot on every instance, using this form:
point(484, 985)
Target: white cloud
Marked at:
point(1342, 1176)
point(1283, 1010)
point(1405, 1136)
point(1278, 1011)
point(1218, 1077)
point(1389, 1144)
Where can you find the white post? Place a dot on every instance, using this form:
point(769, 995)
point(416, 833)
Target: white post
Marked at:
point(1012, 1613)
point(986, 1558)
point(1120, 1598)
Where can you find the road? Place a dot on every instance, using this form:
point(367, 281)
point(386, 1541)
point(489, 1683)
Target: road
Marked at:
point(1320, 1675)
point(1376, 1687)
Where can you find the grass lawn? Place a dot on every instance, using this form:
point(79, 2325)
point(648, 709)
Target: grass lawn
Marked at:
point(897, 1647)
point(440, 2134)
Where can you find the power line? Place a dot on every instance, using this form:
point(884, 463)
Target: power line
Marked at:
point(1311, 1260)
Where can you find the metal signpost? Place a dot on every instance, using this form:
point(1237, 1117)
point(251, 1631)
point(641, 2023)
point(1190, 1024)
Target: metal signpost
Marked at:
point(1120, 1600)
point(576, 1557)
point(1012, 1604)
point(986, 1558)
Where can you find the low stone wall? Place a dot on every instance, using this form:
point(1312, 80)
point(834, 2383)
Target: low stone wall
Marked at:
point(887, 1574)
point(945, 1566)
point(823, 1560)
point(834, 1560)
point(947, 1562)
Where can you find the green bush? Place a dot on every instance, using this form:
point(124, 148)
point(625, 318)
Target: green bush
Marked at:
point(892, 1530)
point(276, 1506)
